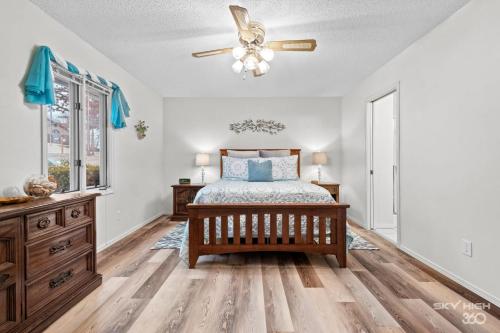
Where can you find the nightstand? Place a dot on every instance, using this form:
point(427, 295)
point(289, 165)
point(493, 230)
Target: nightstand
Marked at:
point(333, 188)
point(183, 194)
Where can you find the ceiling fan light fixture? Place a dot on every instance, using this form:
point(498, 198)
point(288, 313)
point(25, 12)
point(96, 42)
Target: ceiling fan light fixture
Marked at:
point(264, 67)
point(267, 54)
point(251, 62)
point(237, 66)
point(239, 52)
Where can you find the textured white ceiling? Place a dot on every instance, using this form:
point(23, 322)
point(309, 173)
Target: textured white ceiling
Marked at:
point(153, 40)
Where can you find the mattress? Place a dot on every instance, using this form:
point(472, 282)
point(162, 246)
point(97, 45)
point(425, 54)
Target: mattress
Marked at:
point(234, 191)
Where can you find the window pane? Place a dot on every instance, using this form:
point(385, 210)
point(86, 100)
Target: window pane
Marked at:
point(95, 139)
point(59, 137)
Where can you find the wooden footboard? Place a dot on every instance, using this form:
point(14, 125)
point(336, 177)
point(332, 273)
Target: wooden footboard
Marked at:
point(288, 242)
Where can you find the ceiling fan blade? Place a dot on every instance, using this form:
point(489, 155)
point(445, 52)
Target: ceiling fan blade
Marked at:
point(212, 52)
point(292, 45)
point(241, 17)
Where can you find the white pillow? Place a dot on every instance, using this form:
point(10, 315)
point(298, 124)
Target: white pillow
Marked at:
point(243, 153)
point(284, 168)
point(234, 168)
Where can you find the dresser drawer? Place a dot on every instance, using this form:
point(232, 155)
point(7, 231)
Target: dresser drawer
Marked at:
point(40, 224)
point(43, 255)
point(78, 213)
point(54, 285)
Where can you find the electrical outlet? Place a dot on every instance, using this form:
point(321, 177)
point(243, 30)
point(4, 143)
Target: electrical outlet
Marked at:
point(467, 247)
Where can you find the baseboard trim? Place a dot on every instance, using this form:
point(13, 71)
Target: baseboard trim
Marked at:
point(455, 278)
point(128, 232)
point(462, 287)
point(355, 220)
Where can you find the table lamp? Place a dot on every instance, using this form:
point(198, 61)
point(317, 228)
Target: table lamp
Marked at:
point(202, 160)
point(319, 159)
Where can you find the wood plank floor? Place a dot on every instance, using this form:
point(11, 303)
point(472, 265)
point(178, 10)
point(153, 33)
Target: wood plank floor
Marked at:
point(147, 290)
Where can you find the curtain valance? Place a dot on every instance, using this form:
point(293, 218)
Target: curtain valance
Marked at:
point(39, 85)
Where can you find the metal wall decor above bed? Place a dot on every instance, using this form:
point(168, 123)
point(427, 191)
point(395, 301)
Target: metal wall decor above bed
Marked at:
point(259, 126)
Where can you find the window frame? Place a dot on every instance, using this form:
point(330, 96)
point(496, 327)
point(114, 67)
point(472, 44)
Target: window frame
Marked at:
point(104, 125)
point(80, 85)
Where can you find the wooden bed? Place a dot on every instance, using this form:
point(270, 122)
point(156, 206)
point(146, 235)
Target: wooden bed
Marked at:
point(335, 244)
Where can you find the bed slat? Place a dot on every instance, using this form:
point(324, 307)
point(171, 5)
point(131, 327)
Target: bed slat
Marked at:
point(273, 227)
point(261, 228)
point(310, 228)
point(211, 231)
point(236, 229)
point(298, 232)
point(248, 228)
point(223, 229)
point(285, 218)
point(322, 230)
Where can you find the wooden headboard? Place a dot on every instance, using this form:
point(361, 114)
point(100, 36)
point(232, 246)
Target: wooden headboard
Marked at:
point(223, 152)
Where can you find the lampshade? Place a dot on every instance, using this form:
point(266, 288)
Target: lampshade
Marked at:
point(263, 67)
point(319, 158)
point(202, 159)
point(239, 52)
point(237, 66)
point(267, 54)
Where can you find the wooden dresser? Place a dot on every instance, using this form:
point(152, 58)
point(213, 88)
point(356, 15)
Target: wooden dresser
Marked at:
point(47, 259)
point(183, 194)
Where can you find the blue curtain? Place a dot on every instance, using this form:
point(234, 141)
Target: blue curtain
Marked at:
point(119, 107)
point(39, 85)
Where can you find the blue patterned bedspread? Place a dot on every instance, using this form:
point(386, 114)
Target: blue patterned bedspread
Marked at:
point(234, 191)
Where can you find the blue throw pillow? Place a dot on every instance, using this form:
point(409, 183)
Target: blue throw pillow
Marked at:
point(260, 171)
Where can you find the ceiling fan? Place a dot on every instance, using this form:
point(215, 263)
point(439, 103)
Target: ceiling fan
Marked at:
point(254, 54)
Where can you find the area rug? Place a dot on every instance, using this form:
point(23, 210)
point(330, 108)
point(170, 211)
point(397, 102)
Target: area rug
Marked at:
point(173, 240)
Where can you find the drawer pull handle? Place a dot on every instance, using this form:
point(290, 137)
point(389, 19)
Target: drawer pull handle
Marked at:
point(43, 222)
point(4, 277)
point(75, 213)
point(61, 247)
point(60, 279)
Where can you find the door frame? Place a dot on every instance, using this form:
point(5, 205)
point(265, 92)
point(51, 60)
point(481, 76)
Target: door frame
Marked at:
point(392, 89)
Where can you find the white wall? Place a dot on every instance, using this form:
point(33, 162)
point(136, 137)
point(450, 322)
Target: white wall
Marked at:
point(137, 177)
point(194, 125)
point(450, 84)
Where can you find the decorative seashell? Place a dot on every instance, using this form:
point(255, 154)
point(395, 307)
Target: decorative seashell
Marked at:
point(39, 186)
point(12, 192)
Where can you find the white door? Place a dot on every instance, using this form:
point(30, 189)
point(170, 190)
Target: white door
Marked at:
point(383, 163)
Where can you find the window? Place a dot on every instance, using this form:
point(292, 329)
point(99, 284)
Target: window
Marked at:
point(95, 136)
point(76, 150)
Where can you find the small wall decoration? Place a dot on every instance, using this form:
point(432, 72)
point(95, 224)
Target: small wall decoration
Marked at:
point(141, 129)
point(259, 126)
